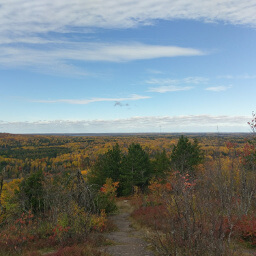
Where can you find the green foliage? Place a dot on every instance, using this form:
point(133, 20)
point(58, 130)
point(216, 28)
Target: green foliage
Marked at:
point(34, 153)
point(54, 209)
point(185, 156)
point(9, 203)
point(108, 165)
point(136, 169)
point(32, 192)
point(133, 169)
point(161, 165)
point(106, 197)
point(105, 202)
point(65, 207)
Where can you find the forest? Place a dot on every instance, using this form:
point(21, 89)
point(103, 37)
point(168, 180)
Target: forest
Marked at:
point(193, 193)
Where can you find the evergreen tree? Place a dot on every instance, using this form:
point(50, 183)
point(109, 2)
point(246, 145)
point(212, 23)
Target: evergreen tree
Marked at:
point(32, 192)
point(136, 169)
point(186, 156)
point(108, 165)
point(161, 164)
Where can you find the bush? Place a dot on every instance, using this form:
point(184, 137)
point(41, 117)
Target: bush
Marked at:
point(76, 250)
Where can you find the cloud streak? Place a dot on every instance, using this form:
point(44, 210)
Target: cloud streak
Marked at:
point(189, 123)
point(245, 76)
point(174, 85)
point(88, 101)
point(170, 88)
point(186, 80)
point(218, 88)
point(59, 57)
point(92, 52)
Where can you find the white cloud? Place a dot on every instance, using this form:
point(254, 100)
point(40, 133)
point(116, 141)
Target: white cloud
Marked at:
point(191, 123)
point(59, 56)
point(88, 101)
point(173, 85)
point(36, 33)
point(186, 80)
point(245, 76)
point(25, 17)
point(170, 88)
point(218, 88)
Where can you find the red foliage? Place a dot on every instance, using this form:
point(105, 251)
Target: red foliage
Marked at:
point(76, 250)
point(246, 228)
point(231, 145)
point(152, 216)
point(243, 228)
point(252, 124)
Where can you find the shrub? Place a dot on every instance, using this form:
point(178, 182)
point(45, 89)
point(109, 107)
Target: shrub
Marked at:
point(246, 229)
point(106, 198)
point(76, 250)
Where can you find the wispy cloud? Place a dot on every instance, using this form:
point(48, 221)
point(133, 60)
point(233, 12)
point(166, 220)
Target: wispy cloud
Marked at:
point(173, 85)
point(92, 100)
point(93, 52)
point(25, 17)
point(218, 88)
point(36, 33)
point(60, 56)
point(245, 76)
point(189, 123)
point(155, 71)
point(186, 80)
point(170, 88)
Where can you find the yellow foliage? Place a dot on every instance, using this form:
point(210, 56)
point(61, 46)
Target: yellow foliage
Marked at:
point(158, 189)
point(9, 205)
point(98, 222)
point(84, 172)
point(8, 191)
point(110, 187)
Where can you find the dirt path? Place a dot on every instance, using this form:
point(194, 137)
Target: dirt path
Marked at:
point(126, 240)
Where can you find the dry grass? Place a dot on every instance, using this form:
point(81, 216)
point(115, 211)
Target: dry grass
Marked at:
point(124, 205)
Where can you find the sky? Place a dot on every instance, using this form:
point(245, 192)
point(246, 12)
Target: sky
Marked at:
point(86, 66)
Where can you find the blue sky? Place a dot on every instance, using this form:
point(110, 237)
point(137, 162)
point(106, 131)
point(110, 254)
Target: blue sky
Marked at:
point(127, 66)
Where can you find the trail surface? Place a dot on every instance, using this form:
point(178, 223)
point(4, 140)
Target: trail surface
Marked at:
point(126, 240)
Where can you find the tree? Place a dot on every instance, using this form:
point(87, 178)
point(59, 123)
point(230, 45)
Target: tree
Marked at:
point(108, 165)
point(185, 156)
point(1, 188)
point(32, 192)
point(136, 169)
point(249, 150)
point(161, 164)
point(252, 124)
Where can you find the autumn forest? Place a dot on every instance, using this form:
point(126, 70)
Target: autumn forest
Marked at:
point(193, 193)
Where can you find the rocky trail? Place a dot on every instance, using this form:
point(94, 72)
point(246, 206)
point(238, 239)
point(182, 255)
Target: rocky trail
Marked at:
point(126, 240)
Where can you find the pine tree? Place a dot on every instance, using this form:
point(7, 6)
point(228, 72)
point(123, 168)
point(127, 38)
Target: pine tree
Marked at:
point(108, 165)
point(186, 156)
point(161, 164)
point(32, 192)
point(136, 169)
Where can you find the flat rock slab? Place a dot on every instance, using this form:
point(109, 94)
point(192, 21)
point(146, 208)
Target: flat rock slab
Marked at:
point(127, 240)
